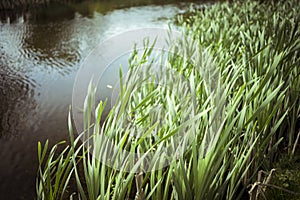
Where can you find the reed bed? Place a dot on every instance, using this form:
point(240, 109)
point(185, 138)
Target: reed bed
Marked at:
point(244, 104)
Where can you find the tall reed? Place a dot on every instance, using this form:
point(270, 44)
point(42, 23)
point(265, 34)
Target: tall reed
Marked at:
point(244, 99)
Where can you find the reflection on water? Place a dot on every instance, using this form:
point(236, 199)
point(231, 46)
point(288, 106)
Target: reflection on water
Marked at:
point(40, 52)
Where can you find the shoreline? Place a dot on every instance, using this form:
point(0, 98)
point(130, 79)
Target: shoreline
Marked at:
point(16, 5)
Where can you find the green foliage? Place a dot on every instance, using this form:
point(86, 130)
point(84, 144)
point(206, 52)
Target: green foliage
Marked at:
point(242, 68)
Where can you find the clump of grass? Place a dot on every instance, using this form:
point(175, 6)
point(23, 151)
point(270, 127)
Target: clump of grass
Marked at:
point(244, 102)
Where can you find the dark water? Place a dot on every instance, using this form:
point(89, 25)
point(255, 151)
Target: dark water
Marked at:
point(40, 52)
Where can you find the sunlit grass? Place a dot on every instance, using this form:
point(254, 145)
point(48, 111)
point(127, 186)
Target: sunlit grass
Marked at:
point(243, 99)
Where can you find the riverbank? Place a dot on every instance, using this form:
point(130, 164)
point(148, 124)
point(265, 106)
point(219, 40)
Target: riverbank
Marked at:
point(245, 108)
point(6, 5)
point(11, 11)
point(39, 56)
point(9, 5)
